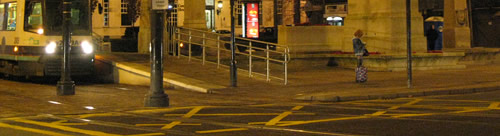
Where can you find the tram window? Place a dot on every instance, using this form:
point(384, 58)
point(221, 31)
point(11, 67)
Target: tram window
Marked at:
point(11, 16)
point(33, 16)
point(2, 16)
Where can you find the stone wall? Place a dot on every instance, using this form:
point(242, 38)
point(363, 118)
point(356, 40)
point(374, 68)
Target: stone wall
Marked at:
point(303, 39)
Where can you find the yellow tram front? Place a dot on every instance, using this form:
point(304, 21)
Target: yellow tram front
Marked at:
point(32, 38)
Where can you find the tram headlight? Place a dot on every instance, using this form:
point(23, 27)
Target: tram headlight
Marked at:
point(39, 31)
point(51, 48)
point(86, 47)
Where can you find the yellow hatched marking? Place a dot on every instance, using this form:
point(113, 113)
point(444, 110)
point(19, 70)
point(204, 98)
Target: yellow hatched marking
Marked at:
point(278, 118)
point(31, 130)
point(62, 122)
point(84, 116)
point(494, 105)
point(171, 125)
point(413, 115)
point(88, 132)
point(240, 114)
point(192, 112)
point(162, 110)
point(323, 120)
point(281, 122)
point(297, 107)
point(221, 130)
point(149, 125)
point(471, 110)
point(378, 113)
point(149, 134)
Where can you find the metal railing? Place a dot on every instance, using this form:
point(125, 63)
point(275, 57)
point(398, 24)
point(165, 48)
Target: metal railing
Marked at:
point(211, 47)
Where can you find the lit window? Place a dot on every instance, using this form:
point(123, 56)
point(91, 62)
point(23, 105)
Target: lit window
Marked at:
point(11, 16)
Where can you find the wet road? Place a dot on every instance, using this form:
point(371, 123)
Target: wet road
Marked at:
point(202, 114)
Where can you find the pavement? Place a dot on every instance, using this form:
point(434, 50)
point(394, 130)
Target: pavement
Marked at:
point(331, 84)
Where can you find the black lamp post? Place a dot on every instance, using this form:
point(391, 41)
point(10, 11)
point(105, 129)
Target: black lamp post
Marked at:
point(66, 86)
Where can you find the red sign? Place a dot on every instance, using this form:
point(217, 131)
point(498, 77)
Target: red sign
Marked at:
point(252, 22)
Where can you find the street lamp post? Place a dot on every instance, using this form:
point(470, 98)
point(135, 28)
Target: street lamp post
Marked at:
point(408, 30)
point(232, 70)
point(66, 86)
point(156, 96)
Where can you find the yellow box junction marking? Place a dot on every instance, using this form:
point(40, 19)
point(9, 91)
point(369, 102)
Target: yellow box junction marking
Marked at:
point(31, 130)
point(65, 128)
point(221, 130)
point(494, 105)
point(62, 123)
point(149, 134)
point(191, 113)
point(277, 119)
point(378, 113)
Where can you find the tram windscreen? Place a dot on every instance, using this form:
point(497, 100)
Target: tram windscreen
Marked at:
point(80, 17)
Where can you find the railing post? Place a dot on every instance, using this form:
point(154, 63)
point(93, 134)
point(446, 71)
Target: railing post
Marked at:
point(218, 51)
point(286, 66)
point(267, 62)
point(178, 43)
point(203, 49)
point(189, 44)
point(250, 60)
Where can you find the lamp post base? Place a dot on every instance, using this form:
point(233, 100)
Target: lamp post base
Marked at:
point(156, 100)
point(65, 88)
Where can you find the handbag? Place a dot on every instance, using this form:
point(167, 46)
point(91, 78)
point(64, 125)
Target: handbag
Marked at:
point(365, 53)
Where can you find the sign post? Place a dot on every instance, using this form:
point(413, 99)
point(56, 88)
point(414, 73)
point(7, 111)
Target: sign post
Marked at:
point(156, 96)
point(251, 20)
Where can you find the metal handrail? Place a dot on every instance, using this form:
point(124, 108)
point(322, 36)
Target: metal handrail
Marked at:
point(202, 38)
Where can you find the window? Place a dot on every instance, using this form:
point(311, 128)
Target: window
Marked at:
point(11, 16)
point(2, 16)
point(124, 14)
point(106, 13)
point(33, 15)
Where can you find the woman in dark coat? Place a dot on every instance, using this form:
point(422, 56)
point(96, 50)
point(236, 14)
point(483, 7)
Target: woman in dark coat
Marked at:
point(359, 46)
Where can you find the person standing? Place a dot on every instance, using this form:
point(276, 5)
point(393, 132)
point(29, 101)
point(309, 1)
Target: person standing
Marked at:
point(432, 36)
point(359, 51)
point(359, 46)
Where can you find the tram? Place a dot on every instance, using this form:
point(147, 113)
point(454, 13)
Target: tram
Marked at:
point(31, 38)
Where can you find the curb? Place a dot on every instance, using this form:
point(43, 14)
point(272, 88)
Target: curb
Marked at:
point(173, 82)
point(333, 98)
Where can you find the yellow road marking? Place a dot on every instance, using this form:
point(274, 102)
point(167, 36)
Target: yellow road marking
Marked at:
point(31, 130)
point(84, 116)
point(413, 115)
point(471, 110)
point(62, 122)
point(378, 113)
point(163, 109)
point(192, 112)
point(494, 105)
point(297, 107)
point(323, 120)
point(281, 122)
point(171, 125)
point(88, 132)
point(221, 130)
point(278, 118)
point(149, 134)
point(240, 114)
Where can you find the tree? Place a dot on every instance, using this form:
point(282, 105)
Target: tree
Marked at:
point(133, 10)
point(93, 5)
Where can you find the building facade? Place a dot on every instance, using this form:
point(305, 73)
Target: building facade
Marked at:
point(110, 18)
